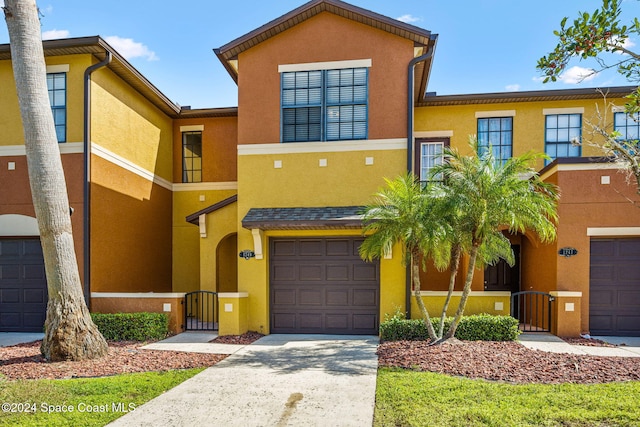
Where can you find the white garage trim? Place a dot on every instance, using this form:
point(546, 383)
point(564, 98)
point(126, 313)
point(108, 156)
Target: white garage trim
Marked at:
point(613, 231)
point(18, 225)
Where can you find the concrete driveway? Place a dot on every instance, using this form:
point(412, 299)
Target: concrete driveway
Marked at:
point(280, 380)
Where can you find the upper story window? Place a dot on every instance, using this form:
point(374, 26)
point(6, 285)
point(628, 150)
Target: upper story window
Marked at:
point(562, 135)
point(324, 105)
point(192, 156)
point(627, 125)
point(57, 87)
point(497, 133)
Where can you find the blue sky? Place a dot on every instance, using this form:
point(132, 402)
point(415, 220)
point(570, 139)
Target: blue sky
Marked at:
point(483, 45)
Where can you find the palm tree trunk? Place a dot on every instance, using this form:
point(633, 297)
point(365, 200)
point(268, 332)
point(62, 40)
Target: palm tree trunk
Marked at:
point(455, 265)
point(465, 292)
point(415, 270)
point(69, 331)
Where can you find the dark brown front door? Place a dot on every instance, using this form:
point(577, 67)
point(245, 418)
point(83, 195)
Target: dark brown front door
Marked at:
point(322, 286)
point(502, 276)
point(614, 287)
point(23, 286)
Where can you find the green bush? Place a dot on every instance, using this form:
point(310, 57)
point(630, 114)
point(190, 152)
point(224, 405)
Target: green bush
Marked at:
point(132, 326)
point(477, 327)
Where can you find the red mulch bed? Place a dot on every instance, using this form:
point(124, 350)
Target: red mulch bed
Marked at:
point(244, 339)
point(24, 361)
point(589, 342)
point(507, 361)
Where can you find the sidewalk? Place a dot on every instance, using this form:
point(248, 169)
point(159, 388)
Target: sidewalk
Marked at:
point(301, 380)
point(553, 344)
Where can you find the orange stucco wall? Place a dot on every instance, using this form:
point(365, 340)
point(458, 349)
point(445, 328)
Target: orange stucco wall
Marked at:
point(16, 197)
point(585, 202)
point(219, 148)
point(324, 37)
point(130, 231)
point(142, 305)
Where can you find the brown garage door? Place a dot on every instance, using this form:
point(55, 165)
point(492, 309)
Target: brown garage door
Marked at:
point(322, 286)
point(614, 300)
point(23, 286)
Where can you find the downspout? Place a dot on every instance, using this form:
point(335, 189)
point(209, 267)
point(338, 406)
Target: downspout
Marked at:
point(410, 108)
point(86, 235)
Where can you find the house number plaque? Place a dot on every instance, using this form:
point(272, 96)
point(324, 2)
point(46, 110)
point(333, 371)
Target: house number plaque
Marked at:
point(567, 252)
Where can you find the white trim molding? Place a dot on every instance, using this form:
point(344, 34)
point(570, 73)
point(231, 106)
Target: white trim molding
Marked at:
point(202, 225)
point(617, 109)
point(433, 134)
point(59, 68)
point(496, 113)
point(14, 225)
point(566, 294)
point(137, 294)
point(192, 128)
point(573, 110)
point(205, 186)
point(331, 65)
point(322, 147)
point(613, 231)
point(233, 295)
point(258, 237)
point(19, 150)
point(567, 167)
point(130, 166)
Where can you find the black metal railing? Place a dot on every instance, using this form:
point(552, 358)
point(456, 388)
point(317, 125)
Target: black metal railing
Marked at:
point(201, 311)
point(533, 309)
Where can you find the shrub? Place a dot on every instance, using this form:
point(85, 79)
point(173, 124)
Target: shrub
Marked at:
point(483, 327)
point(132, 326)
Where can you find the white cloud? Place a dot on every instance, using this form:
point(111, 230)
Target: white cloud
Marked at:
point(130, 48)
point(512, 88)
point(408, 18)
point(575, 75)
point(55, 34)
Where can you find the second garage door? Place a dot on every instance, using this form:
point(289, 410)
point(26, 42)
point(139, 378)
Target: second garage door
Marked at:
point(23, 286)
point(321, 285)
point(614, 300)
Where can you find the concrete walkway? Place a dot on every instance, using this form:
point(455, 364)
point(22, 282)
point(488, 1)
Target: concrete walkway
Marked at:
point(13, 338)
point(279, 380)
point(627, 346)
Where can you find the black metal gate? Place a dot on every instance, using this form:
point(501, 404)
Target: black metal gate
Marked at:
point(201, 311)
point(533, 309)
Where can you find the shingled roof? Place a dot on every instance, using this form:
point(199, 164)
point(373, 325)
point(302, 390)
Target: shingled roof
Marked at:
point(336, 217)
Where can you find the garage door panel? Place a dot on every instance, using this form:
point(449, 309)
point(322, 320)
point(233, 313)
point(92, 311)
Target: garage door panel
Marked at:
point(309, 272)
point(630, 299)
point(284, 248)
point(9, 271)
point(310, 297)
point(365, 272)
point(10, 296)
point(32, 248)
point(10, 248)
point(284, 273)
point(10, 321)
point(36, 296)
point(34, 272)
point(338, 297)
point(338, 272)
point(326, 295)
point(310, 248)
point(614, 288)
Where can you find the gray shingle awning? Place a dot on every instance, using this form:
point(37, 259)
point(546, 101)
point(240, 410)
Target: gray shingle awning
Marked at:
point(338, 217)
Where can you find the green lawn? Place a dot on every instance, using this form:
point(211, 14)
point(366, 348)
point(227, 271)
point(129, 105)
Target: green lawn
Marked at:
point(82, 402)
point(408, 398)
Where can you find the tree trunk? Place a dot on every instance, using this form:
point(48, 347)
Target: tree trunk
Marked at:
point(455, 265)
point(415, 272)
point(465, 292)
point(69, 331)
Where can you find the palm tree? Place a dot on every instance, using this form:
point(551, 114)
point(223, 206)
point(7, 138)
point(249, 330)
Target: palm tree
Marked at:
point(70, 334)
point(486, 196)
point(404, 213)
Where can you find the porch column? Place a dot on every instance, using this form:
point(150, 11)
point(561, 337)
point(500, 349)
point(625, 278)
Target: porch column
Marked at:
point(232, 311)
point(566, 314)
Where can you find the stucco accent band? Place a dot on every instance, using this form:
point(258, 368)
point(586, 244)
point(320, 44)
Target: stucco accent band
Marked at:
point(322, 147)
point(613, 231)
point(331, 65)
point(573, 110)
point(496, 113)
point(566, 294)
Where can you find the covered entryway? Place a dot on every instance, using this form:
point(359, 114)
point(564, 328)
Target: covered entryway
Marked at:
point(322, 286)
point(23, 285)
point(614, 295)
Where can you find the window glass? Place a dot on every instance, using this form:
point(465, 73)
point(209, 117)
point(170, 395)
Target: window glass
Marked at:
point(562, 135)
point(328, 105)
point(57, 90)
point(192, 157)
point(496, 132)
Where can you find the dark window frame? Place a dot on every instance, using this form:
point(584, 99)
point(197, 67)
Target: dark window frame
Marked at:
point(191, 173)
point(417, 152)
point(313, 105)
point(490, 134)
point(565, 143)
point(58, 103)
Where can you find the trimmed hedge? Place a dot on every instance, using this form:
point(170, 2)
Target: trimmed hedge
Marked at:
point(132, 326)
point(477, 327)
